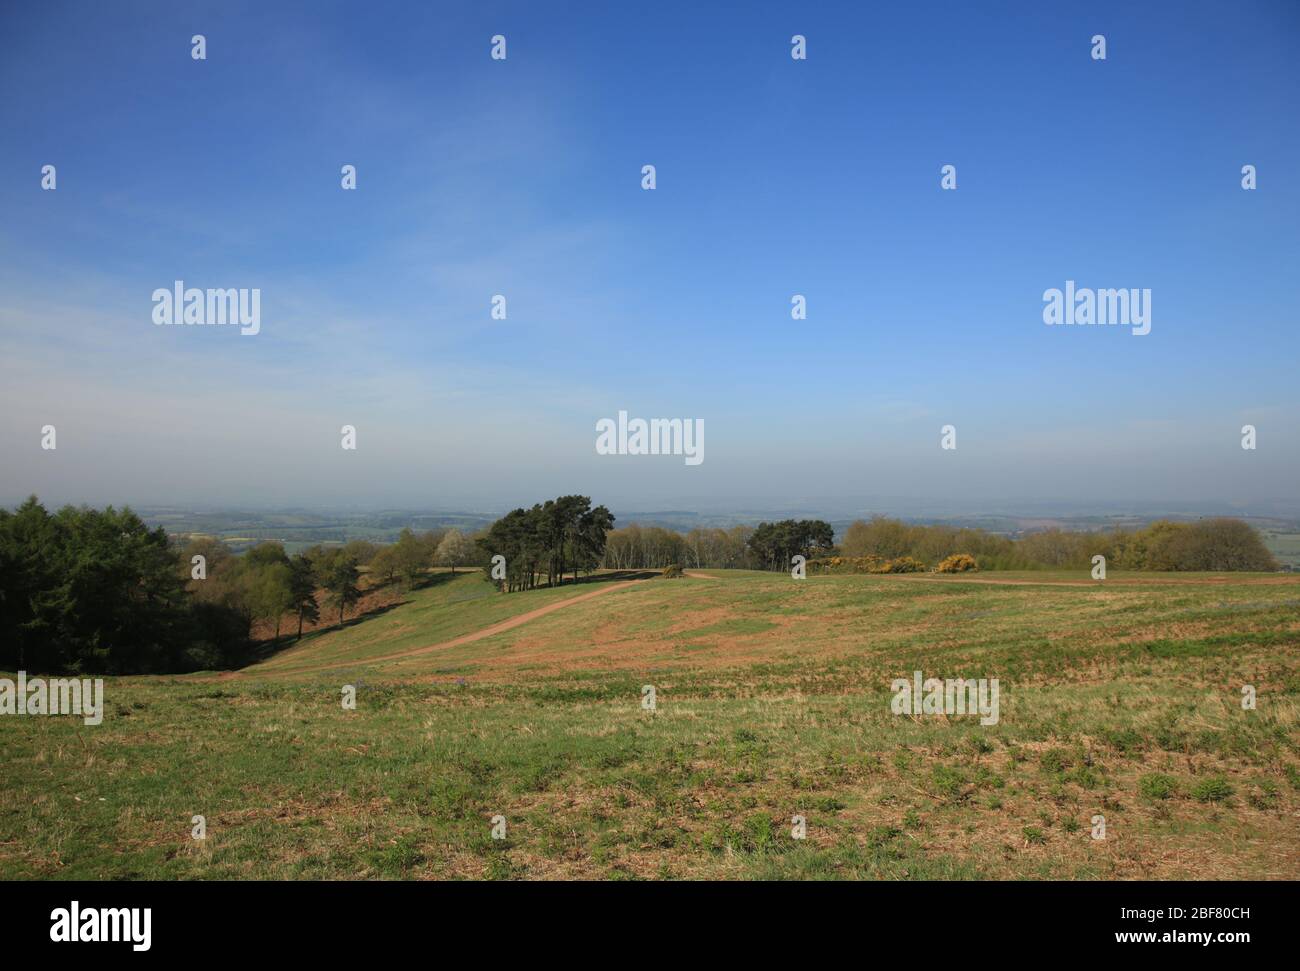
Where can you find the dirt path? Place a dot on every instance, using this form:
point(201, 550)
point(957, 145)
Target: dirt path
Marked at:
point(478, 635)
point(700, 576)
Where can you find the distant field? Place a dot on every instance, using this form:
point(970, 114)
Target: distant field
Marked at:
point(1284, 546)
point(1119, 699)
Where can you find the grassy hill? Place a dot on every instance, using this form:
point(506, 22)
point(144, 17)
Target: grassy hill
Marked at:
point(448, 607)
point(1119, 699)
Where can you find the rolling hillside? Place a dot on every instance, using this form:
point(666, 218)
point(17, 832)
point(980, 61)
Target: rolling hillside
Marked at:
point(1119, 699)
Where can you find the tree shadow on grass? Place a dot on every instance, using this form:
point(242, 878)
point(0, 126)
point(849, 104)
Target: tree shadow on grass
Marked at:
point(429, 580)
point(268, 649)
point(613, 576)
point(264, 650)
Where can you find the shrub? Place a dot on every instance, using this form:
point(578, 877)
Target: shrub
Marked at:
point(1055, 761)
point(1264, 796)
point(1220, 543)
point(1213, 789)
point(901, 564)
point(957, 563)
point(1156, 785)
point(948, 782)
point(672, 571)
point(842, 564)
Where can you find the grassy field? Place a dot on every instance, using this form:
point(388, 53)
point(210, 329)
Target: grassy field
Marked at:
point(1120, 699)
point(1284, 546)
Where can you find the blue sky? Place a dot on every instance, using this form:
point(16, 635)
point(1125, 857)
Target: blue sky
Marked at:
point(775, 177)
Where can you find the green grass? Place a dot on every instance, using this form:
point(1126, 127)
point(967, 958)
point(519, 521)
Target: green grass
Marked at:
point(451, 606)
point(773, 702)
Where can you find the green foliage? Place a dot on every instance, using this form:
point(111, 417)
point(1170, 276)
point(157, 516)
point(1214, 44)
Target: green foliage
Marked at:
point(774, 545)
point(550, 538)
point(1211, 544)
point(1212, 789)
point(273, 592)
point(302, 590)
point(410, 558)
point(949, 782)
point(98, 591)
point(1054, 761)
point(1206, 545)
point(340, 578)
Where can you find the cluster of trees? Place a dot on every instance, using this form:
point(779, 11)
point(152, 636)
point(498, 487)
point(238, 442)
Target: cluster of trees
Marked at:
point(559, 535)
point(95, 591)
point(266, 584)
point(767, 546)
point(890, 539)
point(98, 591)
point(774, 544)
point(1207, 544)
point(412, 555)
point(638, 547)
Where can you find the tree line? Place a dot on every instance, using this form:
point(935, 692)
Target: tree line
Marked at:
point(637, 547)
point(767, 546)
point(1217, 544)
point(1208, 544)
point(98, 591)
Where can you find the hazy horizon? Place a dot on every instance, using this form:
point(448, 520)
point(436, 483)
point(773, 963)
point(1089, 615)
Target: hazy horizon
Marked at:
point(740, 508)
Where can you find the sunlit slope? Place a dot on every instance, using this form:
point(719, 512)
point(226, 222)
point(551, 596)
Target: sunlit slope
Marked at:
point(1025, 625)
point(447, 608)
point(1120, 699)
